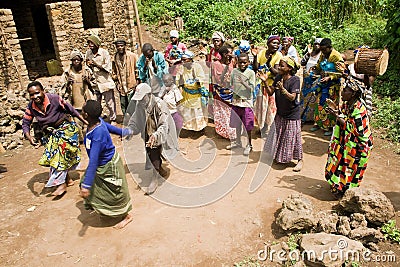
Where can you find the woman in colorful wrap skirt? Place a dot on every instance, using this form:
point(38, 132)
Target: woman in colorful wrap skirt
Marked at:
point(351, 142)
point(60, 134)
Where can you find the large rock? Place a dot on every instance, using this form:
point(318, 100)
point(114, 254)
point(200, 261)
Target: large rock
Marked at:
point(327, 222)
point(366, 235)
point(296, 214)
point(329, 250)
point(376, 207)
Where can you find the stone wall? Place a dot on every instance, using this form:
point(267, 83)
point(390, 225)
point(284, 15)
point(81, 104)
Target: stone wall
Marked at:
point(66, 27)
point(11, 58)
point(116, 19)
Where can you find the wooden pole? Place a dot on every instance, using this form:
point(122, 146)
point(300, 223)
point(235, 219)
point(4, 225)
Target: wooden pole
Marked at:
point(138, 26)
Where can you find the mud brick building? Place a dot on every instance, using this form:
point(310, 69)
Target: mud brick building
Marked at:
point(35, 31)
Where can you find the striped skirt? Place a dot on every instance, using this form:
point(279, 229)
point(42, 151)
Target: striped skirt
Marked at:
point(284, 144)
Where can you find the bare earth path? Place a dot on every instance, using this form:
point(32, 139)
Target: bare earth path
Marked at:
point(61, 232)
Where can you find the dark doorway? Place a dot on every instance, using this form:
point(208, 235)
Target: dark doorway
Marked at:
point(89, 14)
point(42, 29)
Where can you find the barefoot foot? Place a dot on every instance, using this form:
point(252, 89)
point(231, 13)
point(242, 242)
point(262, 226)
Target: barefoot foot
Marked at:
point(298, 166)
point(61, 189)
point(124, 222)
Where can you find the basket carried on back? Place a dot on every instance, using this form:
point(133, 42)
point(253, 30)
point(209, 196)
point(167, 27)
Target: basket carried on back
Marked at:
point(371, 61)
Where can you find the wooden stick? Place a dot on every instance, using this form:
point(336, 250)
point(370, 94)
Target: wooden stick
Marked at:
point(138, 26)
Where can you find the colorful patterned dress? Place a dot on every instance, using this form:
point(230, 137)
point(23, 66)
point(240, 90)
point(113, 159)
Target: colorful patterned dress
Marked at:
point(308, 97)
point(349, 149)
point(334, 68)
point(222, 100)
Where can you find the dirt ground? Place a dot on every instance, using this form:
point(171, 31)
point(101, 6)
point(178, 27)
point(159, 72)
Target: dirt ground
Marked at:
point(62, 232)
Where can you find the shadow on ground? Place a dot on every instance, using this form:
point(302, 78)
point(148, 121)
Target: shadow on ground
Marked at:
point(90, 218)
point(315, 188)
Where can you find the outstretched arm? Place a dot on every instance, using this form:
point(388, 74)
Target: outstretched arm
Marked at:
point(117, 130)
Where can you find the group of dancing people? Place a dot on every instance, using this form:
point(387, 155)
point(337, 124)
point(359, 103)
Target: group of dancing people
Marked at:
point(162, 93)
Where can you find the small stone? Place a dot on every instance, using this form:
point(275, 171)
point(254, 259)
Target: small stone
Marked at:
point(31, 209)
point(257, 222)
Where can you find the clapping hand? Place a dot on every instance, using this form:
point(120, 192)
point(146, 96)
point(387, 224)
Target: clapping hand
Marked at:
point(262, 75)
point(332, 108)
point(279, 85)
point(151, 142)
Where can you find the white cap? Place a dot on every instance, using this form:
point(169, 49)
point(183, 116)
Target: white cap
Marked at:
point(218, 35)
point(141, 90)
point(174, 33)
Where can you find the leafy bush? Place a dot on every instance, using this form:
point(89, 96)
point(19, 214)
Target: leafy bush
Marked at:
point(338, 11)
point(256, 20)
point(389, 84)
point(387, 117)
point(359, 30)
point(247, 19)
point(393, 28)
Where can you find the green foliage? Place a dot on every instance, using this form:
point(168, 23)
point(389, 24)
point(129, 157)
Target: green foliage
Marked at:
point(359, 30)
point(293, 241)
point(391, 231)
point(389, 83)
point(256, 20)
point(338, 11)
point(393, 28)
point(387, 117)
point(247, 262)
point(247, 19)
